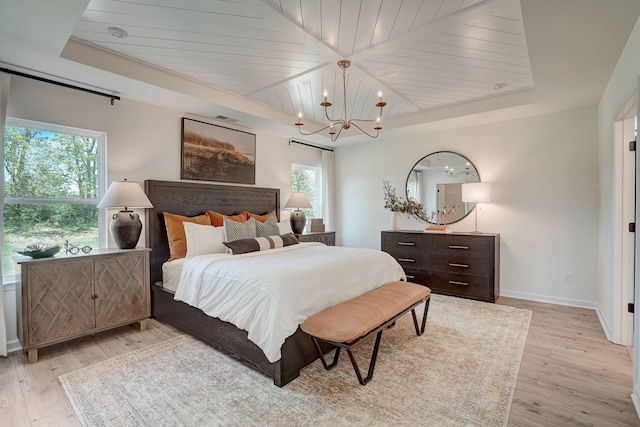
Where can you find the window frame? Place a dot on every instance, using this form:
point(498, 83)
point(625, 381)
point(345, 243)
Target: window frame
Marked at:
point(317, 207)
point(101, 163)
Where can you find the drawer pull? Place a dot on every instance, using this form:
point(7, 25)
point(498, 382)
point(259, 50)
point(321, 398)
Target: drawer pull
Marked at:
point(453, 264)
point(406, 260)
point(410, 277)
point(455, 282)
point(406, 243)
point(458, 247)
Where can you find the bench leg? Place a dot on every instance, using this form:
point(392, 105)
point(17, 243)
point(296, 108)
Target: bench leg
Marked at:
point(322, 359)
point(372, 363)
point(420, 331)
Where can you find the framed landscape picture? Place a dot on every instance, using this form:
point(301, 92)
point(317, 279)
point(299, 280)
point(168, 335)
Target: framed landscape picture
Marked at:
point(216, 153)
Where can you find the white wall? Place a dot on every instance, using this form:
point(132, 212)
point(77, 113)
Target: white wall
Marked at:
point(544, 175)
point(143, 142)
point(622, 84)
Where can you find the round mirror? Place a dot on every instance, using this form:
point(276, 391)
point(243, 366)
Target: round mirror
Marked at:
point(436, 181)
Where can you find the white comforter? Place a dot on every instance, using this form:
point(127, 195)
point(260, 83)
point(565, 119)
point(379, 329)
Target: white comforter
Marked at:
point(269, 293)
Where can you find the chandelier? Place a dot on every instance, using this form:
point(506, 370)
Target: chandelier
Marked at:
point(467, 171)
point(344, 123)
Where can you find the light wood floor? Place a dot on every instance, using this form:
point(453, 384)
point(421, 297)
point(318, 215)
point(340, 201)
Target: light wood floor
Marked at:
point(570, 374)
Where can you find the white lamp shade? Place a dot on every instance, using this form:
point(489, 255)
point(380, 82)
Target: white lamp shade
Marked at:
point(479, 192)
point(298, 201)
point(125, 194)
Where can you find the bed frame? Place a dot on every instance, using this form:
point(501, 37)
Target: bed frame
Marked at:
point(190, 199)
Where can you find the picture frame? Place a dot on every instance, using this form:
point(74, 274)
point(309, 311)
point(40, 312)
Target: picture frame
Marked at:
point(215, 153)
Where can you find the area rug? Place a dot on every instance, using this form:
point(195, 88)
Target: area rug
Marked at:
point(461, 372)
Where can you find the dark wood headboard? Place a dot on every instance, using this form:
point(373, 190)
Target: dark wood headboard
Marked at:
point(190, 199)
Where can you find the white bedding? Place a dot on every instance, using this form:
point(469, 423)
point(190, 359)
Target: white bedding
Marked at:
point(171, 273)
point(269, 293)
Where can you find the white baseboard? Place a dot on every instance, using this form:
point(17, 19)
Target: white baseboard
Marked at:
point(635, 398)
point(551, 300)
point(13, 345)
point(605, 326)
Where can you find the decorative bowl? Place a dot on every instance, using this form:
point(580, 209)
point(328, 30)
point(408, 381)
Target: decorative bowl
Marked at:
point(39, 250)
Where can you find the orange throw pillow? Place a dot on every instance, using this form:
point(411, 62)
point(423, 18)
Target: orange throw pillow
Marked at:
point(261, 218)
point(175, 232)
point(217, 219)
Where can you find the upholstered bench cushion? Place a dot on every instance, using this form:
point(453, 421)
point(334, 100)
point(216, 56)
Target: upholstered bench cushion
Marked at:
point(355, 318)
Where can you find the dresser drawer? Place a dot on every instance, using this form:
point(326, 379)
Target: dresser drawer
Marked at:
point(464, 285)
point(421, 277)
point(415, 241)
point(463, 245)
point(461, 264)
point(407, 257)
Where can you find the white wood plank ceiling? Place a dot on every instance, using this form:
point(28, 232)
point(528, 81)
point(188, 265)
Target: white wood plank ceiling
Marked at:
point(422, 54)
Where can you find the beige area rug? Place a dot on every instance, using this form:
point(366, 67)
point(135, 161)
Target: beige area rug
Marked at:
point(461, 372)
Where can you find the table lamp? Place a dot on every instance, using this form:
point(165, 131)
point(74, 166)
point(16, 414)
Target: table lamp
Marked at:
point(125, 225)
point(476, 192)
point(298, 201)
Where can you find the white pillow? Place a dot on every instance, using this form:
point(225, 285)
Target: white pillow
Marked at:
point(285, 227)
point(204, 239)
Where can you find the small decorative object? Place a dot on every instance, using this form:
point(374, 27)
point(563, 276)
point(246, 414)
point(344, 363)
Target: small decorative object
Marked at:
point(317, 225)
point(39, 250)
point(395, 221)
point(398, 205)
point(440, 217)
point(437, 229)
point(72, 249)
point(298, 201)
point(126, 225)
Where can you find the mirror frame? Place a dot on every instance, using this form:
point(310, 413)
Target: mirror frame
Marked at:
point(431, 154)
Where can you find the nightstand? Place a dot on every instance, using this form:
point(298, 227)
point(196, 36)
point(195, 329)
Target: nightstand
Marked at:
point(326, 237)
point(68, 296)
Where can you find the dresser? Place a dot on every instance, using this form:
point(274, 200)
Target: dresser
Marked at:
point(69, 296)
point(459, 264)
point(326, 237)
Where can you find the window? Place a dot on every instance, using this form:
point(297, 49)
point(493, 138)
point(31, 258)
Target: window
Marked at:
point(308, 179)
point(53, 181)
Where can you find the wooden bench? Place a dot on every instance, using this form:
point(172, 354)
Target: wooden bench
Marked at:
point(347, 324)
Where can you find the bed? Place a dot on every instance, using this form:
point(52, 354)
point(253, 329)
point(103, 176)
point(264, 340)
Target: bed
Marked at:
point(191, 199)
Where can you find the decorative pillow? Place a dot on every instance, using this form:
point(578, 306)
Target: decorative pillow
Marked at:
point(267, 228)
point(176, 235)
point(285, 227)
point(261, 218)
point(204, 239)
point(239, 230)
point(244, 246)
point(217, 219)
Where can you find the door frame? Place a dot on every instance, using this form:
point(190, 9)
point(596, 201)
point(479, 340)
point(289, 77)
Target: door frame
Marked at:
point(624, 257)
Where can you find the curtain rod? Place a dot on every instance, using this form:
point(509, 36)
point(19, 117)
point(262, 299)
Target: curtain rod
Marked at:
point(53, 82)
point(310, 145)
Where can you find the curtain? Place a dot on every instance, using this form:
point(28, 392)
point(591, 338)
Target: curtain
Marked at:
point(328, 190)
point(4, 96)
